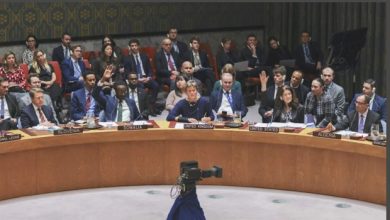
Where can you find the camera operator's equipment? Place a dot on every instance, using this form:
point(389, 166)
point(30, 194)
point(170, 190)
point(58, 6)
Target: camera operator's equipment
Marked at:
point(187, 205)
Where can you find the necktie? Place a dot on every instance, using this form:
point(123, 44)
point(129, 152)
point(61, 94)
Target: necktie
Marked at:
point(307, 54)
point(361, 124)
point(175, 47)
point(120, 111)
point(66, 53)
point(170, 63)
point(132, 95)
point(2, 108)
point(229, 98)
point(41, 115)
point(138, 66)
point(88, 102)
point(196, 59)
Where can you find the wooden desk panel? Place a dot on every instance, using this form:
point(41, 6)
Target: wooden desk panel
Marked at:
point(349, 169)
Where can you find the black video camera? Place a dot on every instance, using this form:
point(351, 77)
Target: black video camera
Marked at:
point(190, 173)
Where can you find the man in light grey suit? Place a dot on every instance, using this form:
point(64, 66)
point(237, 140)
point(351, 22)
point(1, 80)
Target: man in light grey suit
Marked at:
point(335, 91)
point(25, 100)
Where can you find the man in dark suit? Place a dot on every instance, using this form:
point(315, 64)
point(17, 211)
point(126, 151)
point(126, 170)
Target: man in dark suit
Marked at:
point(72, 70)
point(137, 93)
point(82, 101)
point(119, 108)
point(308, 58)
point(359, 120)
point(378, 103)
point(167, 64)
point(227, 100)
point(299, 89)
point(37, 113)
point(139, 63)
point(9, 110)
point(268, 95)
point(200, 62)
point(177, 46)
point(63, 51)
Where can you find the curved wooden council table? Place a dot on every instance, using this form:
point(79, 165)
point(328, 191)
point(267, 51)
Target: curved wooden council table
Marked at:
point(285, 161)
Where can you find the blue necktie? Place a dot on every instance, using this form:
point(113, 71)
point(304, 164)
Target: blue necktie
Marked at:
point(361, 124)
point(138, 66)
point(306, 51)
point(229, 98)
point(2, 108)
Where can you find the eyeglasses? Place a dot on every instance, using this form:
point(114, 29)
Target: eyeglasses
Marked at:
point(31, 41)
point(133, 78)
point(360, 103)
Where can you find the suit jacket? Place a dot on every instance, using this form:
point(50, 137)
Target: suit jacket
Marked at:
point(379, 106)
point(183, 48)
point(297, 115)
point(275, 55)
point(352, 121)
point(238, 101)
point(267, 102)
point(77, 105)
point(246, 54)
point(29, 118)
point(189, 56)
point(337, 93)
point(13, 107)
point(142, 100)
point(25, 100)
point(315, 53)
point(162, 64)
point(68, 70)
point(130, 64)
point(58, 54)
point(110, 104)
point(223, 58)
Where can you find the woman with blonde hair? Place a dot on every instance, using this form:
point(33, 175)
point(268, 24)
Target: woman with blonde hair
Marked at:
point(47, 76)
point(13, 73)
point(228, 68)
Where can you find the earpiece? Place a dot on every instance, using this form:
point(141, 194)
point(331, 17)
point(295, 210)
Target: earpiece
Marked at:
point(44, 55)
point(221, 44)
point(277, 42)
point(167, 35)
point(190, 44)
point(373, 89)
point(284, 77)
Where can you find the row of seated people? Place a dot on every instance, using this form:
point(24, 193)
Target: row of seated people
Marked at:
point(187, 105)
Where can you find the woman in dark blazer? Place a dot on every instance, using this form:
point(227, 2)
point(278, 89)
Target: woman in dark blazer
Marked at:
point(287, 107)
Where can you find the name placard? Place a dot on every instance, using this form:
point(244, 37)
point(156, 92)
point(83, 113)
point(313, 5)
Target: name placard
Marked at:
point(380, 143)
point(326, 135)
point(264, 129)
point(198, 126)
point(131, 127)
point(10, 137)
point(68, 131)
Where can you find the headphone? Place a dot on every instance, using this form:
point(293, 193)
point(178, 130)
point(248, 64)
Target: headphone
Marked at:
point(168, 35)
point(222, 44)
point(284, 77)
point(190, 44)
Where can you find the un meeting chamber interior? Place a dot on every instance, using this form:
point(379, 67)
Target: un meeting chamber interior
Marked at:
point(193, 110)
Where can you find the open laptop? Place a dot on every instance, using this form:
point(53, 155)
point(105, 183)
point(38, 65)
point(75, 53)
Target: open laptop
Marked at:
point(287, 63)
point(241, 66)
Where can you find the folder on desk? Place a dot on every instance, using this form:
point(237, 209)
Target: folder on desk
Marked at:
point(241, 66)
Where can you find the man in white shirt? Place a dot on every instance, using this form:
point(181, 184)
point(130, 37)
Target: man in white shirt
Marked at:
point(9, 110)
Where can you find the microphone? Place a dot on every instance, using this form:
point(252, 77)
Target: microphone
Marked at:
point(351, 122)
point(272, 119)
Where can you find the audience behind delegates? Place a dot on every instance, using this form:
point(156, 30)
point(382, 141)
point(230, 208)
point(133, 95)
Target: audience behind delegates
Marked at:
point(9, 110)
point(227, 100)
point(228, 68)
point(377, 103)
point(193, 108)
point(255, 57)
point(107, 58)
point(14, 74)
point(139, 63)
point(335, 91)
point(63, 51)
point(25, 99)
point(118, 108)
point(287, 106)
point(320, 105)
point(188, 71)
point(178, 93)
point(226, 54)
point(47, 76)
point(276, 52)
point(116, 51)
point(200, 62)
point(82, 102)
point(179, 47)
point(360, 119)
point(296, 83)
point(37, 113)
point(268, 95)
point(308, 58)
point(72, 70)
point(167, 64)
point(137, 93)
point(31, 45)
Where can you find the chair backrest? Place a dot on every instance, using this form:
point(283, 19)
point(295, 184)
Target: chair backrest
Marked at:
point(151, 52)
point(57, 71)
point(87, 64)
point(125, 51)
point(212, 60)
point(24, 68)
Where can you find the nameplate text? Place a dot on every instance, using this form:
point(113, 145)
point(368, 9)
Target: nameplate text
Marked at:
point(198, 126)
point(68, 131)
point(264, 129)
point(326, 135)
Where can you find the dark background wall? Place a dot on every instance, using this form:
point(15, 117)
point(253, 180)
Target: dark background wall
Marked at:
point(284, 20)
